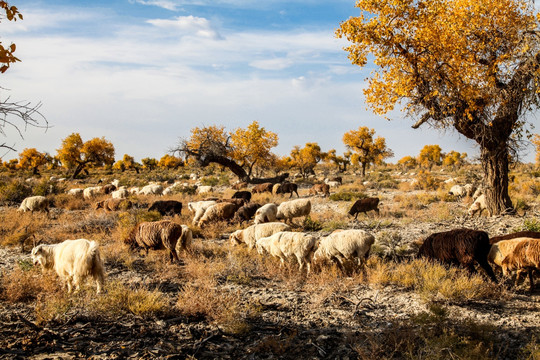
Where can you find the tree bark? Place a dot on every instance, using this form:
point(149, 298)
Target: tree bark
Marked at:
point(495, 163)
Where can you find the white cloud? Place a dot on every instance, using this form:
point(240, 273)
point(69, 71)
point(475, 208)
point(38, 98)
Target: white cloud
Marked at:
point(165, 4)
point(187, 24)
point(272, 64)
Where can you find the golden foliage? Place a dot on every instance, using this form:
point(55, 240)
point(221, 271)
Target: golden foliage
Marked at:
point(305, 158)
point(252, 145)
point(445, 55)
point(31, 159)
point(170, 162)
point(367, 149)
point(430, 155)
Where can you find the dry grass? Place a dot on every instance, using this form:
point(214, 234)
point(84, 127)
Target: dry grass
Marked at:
point(433, 281)
point(26, 283)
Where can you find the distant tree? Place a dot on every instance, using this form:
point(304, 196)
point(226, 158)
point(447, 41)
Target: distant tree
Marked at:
point(32, 159)
point(305, 159)
point(407, 162)
point(252, 146)
point(170, 162)
point(77, 155)
point(238, 152)
point(149, 163)
point(471, 65)
point(429, 156)
point(12, 164)
point(119, 166)
point(130, 163)
point(368, 150)
point(340, 161)
point(454, 159)
point(20, 111)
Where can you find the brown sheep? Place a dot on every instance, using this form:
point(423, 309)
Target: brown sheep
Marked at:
point(246, 212)
point(107, 189)
point(264, 187)
point(113, 204)
point(219, 212)
point(459, 247)
point(526, 255)
point(159, 235)
point(240, 185)
point(528, 234)
point(323, 189)
point(364, 205)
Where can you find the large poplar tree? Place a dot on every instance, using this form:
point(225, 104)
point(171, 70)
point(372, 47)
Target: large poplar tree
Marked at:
point(468, 64)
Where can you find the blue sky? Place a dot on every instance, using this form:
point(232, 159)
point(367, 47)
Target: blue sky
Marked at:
point(142, 73)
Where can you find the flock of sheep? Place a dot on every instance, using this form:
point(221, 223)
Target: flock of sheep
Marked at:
point(73, 260)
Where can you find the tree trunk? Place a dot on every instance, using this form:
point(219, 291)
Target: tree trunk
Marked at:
point(495, 164)
point(78, 170)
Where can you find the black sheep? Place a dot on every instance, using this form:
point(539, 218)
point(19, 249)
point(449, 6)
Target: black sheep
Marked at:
point(245, 195)
point(459, 247)
point(246, 212)
point(288, 187)
point(167, 207)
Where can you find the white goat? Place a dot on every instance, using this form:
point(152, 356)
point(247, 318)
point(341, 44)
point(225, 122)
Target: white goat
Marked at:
point(288, 244)
point(34, 203)
point(73, 261)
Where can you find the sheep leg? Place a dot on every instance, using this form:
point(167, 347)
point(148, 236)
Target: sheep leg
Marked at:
point(531, 279)
point(487, 268)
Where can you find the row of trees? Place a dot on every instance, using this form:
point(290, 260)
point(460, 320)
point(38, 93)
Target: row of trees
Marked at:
point(247, 152)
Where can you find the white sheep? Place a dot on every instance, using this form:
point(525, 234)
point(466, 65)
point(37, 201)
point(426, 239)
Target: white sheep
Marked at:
point(73, 261)
point(331, 183)
point(91, 191)
point(151, 189)
point(198, 208)
point(266, 213)
point(289, 210)
point(286, 244)
point(78, 192)
point(478, 206)
point(205, 189)
point(251, 234)
point(116, 183)
point(121, 193)
point(461, 190)
point(345, 245)
point(34, 203)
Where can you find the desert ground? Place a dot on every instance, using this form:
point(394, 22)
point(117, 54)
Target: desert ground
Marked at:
point(227, 302)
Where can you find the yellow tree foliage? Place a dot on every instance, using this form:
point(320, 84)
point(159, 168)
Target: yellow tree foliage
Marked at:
point(12, 164)
point(76, 154)
point(407, 162)
point(69, 153)
point(473, 65)
point(149, 163)
point(32, 159)
point(170, 162)
point(6, 53)
point(239, 151)
point(340, 161)
point(454, 159)
point(367, 149)
point(252, 146)
point(305, 159)
point(429, 156)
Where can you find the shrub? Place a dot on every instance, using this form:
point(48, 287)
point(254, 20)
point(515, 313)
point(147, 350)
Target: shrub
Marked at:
point(46, 187)
point(426, 181)
point(311, 225)
point(14, 191)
